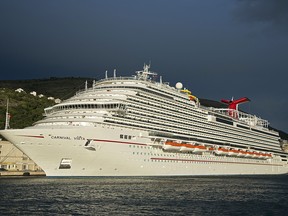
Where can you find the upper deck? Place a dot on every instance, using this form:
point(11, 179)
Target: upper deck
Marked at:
point(145, 80)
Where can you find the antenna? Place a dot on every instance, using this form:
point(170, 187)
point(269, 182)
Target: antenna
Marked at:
point(114, 73)
point(106, 74)
point(7, 116)
point(86, 85)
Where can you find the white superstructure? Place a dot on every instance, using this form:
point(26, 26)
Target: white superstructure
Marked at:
point(135, 126)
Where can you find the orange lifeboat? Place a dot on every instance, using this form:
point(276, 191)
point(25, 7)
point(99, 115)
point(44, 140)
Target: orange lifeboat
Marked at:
point(186, 147)
point(241, 153)
point(221, 151)
point(257, 154)
point(200, 148)
point(172, 145)
point(261, 155)
point(249, 154)
point(233, 152)
point(267, 155)
point(211, 148)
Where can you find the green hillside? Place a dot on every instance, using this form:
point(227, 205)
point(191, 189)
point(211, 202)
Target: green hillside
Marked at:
point(25, 108)
point(62, 88)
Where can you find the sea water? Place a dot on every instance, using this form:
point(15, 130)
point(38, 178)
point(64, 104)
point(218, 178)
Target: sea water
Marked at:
point(253, 195)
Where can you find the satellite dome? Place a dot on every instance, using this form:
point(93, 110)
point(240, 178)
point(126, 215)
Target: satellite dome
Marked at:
point(179, 85)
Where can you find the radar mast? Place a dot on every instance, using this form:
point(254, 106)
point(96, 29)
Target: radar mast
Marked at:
point(145, 74)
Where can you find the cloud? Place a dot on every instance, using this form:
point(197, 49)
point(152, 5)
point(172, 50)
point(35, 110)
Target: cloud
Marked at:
point(274, 12)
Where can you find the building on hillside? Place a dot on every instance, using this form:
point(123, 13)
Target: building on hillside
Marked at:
point(12, 159)
point(33, 93)
point(19, 90)
point(57, 100)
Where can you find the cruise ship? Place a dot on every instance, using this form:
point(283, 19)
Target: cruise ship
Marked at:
point(141, 126)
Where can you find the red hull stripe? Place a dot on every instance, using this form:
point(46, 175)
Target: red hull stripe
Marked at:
point(31, 136)
point(212, 161)
point(119, 142)
point(165, 159)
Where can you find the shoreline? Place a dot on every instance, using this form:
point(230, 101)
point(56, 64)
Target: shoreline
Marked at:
point(21, 173)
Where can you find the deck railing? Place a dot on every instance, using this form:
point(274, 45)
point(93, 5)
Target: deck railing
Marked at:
point(251, 120)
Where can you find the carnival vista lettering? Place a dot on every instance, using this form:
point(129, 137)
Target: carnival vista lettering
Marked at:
point(61, 137)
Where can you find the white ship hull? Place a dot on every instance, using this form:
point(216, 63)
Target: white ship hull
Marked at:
point(107, 155)
point(134, 126)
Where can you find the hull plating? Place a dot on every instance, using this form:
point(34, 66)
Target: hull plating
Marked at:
point(101, 152)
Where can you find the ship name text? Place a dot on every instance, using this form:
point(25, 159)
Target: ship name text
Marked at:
point(68, 138)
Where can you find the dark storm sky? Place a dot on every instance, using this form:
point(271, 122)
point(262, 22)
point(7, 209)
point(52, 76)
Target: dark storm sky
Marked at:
point(216, 48)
